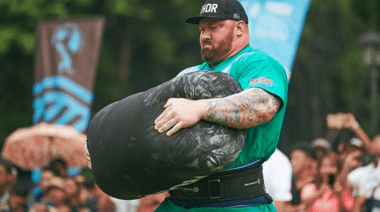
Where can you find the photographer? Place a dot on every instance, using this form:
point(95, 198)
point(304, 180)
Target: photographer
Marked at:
point(327, 193)
point(341, 121)
point(364, 181)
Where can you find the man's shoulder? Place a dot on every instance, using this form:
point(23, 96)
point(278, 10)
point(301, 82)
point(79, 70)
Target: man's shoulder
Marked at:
point(258, 62)
point(256, 56)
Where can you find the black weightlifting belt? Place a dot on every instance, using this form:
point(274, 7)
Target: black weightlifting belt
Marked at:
point(245, 183)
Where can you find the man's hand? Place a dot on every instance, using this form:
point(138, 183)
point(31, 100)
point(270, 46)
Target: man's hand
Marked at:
point(180, 113)
point(243, 110)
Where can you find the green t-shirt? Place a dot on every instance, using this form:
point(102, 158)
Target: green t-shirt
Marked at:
point(252, 69)
point(255, 69)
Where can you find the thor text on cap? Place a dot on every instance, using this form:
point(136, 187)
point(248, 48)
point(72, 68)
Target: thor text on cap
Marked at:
point(209, 8)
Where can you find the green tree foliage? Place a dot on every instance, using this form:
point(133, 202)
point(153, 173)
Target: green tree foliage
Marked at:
point(329, 75)
point(145, 43)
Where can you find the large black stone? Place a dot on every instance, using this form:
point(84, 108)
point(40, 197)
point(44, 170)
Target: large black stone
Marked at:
point(130, 159)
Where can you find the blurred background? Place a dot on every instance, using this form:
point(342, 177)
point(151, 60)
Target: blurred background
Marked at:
point(146, 43)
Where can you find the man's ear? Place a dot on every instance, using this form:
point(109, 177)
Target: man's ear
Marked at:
point(240, 28)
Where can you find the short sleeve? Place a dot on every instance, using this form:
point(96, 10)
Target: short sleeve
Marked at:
point(259, 70)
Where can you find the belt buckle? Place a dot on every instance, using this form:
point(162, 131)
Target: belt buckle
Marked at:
point(214, 188)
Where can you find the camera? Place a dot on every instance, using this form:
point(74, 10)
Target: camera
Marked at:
point(331, 180)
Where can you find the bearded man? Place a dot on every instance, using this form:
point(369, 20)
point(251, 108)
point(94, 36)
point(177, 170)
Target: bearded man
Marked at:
point(259, 108)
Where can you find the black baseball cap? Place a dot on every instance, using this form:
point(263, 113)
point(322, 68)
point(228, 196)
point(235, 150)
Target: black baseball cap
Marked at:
point(221, 9)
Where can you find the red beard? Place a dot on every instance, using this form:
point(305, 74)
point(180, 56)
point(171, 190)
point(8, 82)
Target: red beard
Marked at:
point(215, 55)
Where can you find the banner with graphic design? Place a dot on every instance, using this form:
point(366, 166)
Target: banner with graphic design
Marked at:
point(276, 26)
point(65, 63)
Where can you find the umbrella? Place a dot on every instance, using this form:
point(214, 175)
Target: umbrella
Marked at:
point(34, 147)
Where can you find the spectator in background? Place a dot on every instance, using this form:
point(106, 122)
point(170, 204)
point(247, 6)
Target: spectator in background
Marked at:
point(279, 188)
point(8, 177)
point(326, 193)
point(72, 188)
point(40, 207)
point(350, 154)
point(303, 164)
point(347, 147)
point(94, 198)
point(365, 180)
point(341, 121)
point(56, 195)
point(59, 166)
point(18, 198)
point(79, 179)
point(321, 147)
point(38, 191)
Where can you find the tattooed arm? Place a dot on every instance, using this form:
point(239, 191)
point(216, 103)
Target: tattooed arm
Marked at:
point(247, 109)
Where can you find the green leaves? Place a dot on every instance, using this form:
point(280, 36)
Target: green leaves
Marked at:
point(7, 34)
point(119, 6)
point(20, 19)
point(164, 46)
point(26, 41)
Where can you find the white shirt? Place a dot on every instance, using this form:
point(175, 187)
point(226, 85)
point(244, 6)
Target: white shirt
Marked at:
point(277, 171)
point(364, 180)
point(125, 205)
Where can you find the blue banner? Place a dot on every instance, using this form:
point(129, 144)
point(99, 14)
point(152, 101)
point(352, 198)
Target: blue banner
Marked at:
point(276, 27)
point(65, 64)
point(61, 101)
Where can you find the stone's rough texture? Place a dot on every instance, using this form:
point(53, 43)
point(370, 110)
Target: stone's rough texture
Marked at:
point(130, 159)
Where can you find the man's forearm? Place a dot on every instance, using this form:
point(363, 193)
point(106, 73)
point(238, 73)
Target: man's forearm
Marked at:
point(243, 110)
point(247, 109)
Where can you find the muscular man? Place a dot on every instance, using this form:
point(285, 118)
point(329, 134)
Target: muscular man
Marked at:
point(259, 108)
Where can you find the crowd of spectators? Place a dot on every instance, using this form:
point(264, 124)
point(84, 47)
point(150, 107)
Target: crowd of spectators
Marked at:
point(314, 177)
point(58, 189)
point(323, 178)
point(50, 189)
